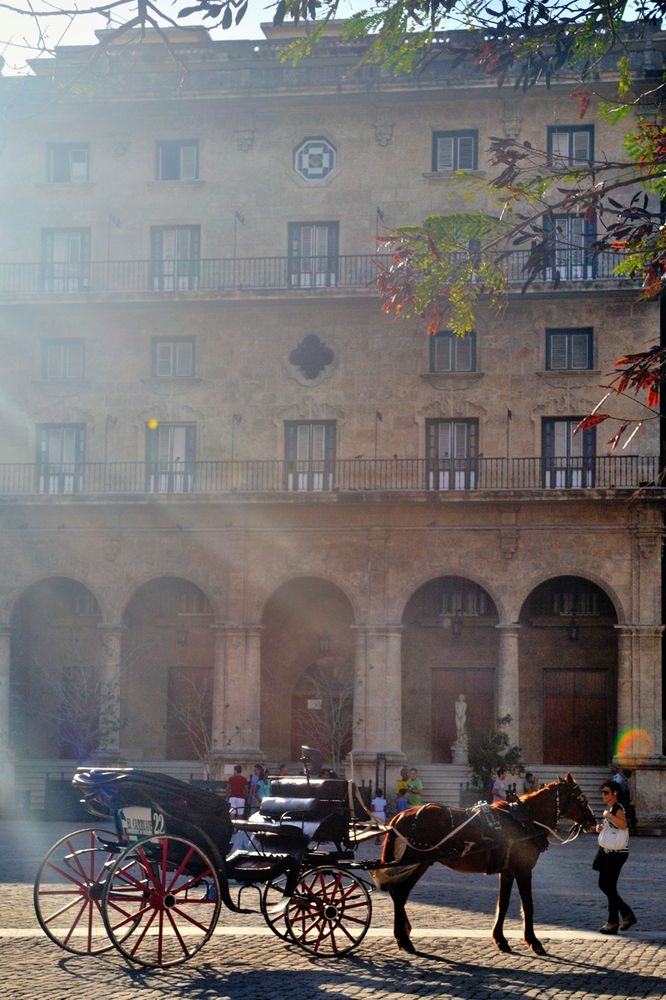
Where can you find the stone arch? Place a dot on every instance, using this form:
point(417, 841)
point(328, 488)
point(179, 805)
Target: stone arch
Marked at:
point(306, 622)
point(168, 650)
point(584, 574)
point(568, 657)
point(271, 587)
point(209, 592)
point(56, 670)
point(417, 580)
point(450, 646)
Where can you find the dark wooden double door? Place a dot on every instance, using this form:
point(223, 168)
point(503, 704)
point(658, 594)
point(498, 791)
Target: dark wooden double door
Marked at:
point(575, 717)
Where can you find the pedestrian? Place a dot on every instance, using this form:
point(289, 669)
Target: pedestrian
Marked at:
point(401, 790)
point(498, 786)
point(378, 809)
point(623, 787)
point(530, 783)
point(414, 788)
point(237, 789)
point(253, 795)
point(612, 853)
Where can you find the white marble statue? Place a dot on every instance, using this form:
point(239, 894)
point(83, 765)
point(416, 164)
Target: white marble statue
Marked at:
point(461, 719)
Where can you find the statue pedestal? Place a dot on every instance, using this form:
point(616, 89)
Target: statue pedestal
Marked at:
point(459, 752)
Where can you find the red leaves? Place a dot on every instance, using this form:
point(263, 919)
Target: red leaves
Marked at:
point(591, 421)
point(584, 99)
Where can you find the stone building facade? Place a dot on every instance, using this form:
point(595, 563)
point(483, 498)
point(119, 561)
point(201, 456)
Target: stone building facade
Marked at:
point(228, 478)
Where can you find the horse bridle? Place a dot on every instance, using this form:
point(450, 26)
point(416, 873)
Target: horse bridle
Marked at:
point(577, 828)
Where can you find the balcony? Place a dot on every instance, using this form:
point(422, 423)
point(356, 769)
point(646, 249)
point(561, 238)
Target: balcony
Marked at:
point(342, 476)
point(213, 276)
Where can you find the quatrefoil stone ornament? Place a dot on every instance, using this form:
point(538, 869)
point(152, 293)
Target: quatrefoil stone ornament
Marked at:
point(311, 356)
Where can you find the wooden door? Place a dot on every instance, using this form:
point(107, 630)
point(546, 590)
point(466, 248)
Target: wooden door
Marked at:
point(478, 686)
point(575, 717)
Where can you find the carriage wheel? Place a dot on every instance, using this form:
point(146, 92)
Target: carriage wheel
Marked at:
point(273, 906)
point(167, 892)
point(68, 890)
point(329, 911)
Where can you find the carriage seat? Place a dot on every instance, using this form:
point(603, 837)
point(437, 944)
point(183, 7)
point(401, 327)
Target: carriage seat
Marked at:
point(277, 806)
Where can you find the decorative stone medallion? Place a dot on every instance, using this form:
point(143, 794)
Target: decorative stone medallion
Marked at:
point(314, 159)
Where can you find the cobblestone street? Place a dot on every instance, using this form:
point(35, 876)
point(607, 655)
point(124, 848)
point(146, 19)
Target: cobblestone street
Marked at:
point(451, 916)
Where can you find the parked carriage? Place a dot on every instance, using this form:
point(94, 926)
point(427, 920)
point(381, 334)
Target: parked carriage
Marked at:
point(151, 879)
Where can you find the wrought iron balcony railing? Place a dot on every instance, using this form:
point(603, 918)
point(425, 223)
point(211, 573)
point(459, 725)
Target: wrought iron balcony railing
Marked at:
point(607, 472)
point(250, 274)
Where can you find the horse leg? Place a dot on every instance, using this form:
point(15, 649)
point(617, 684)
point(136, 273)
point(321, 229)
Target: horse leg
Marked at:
point(503, 897)
point(399, 893)
point(524, 880)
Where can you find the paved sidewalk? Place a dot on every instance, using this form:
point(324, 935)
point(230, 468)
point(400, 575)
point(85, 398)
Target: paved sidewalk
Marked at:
point(451, 915)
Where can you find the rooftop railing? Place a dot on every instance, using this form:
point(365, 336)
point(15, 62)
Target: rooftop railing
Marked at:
point(607, 472)
point(213, 275)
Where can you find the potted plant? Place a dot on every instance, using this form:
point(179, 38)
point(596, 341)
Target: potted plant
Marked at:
point(487, 751)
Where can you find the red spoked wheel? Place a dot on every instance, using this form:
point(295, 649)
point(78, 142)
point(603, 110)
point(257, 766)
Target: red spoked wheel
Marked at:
point(274, 905)
point(329, 912)
point(167, 892)
point(69, 887)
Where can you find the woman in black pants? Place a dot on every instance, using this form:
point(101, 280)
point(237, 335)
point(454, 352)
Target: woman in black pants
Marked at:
point(609, 865)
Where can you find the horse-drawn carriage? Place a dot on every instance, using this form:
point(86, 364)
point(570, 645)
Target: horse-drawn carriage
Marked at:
point(152, 879)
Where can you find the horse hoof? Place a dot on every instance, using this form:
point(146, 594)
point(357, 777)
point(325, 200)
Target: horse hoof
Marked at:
point(407, 946)
point(503, 945)
point(536, 947)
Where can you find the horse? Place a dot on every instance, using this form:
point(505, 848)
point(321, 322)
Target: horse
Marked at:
point(505, 838)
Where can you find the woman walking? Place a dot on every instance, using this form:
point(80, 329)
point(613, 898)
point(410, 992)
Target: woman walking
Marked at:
point(613, 852)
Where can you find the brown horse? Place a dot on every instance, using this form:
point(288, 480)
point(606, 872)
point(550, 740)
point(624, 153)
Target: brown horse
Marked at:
point(505, 838)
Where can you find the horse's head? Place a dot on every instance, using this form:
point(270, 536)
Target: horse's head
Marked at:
point(573, 805)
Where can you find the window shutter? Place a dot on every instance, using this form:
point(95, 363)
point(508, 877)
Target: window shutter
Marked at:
point(188, 161)
point(548, 438)
point(190, 443)
point(78, 164)
point(466, 152)
point(558, 351)
point(581, 146)
point(163, 358)
point(463, 347)
point(580, 350)
point(445, 154)
point(559, 145)
point(441, 352)
point(73, 360)
point(184, 358)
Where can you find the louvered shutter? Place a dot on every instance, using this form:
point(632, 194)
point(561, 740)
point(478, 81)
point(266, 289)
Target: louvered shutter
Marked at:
point(184, 358)
point(445, 154)
point(580, 350)
point(558, 351)
point(466, 152)
point(164, 358)
point(463, 347)
point(581, 146)
point(188, 161)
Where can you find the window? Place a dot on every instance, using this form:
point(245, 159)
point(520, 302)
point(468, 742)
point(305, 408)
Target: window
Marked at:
point(65, 260)
point(313, 254)
point(60, 457)
point(178, 160)
point(62, 360)
point(173, 358)
point(571, 238)
point(171, 457)
point(67, 163)
point(175, 252)
point(460, 597)
point(454, 151)
point(450, 353)
point(568, 349)
point(570, 145)
point(310, 454)
point(452, 450)
point(568, 458)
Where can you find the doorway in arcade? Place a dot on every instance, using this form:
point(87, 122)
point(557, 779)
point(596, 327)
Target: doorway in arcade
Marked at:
point(450, 647)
